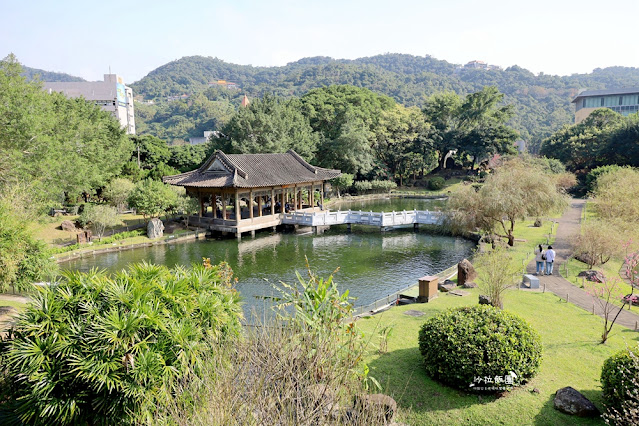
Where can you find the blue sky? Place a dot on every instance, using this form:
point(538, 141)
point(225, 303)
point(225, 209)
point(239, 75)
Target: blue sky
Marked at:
point(84, 38)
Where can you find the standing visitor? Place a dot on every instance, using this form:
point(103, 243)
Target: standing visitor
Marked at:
point(550, 259)
point(540, 258)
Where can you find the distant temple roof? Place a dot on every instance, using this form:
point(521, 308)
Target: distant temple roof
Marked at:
point(252, 171)
point(245, 101)
point(604, 92)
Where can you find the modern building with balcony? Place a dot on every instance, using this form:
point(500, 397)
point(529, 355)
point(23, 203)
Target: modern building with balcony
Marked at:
point(623, 101)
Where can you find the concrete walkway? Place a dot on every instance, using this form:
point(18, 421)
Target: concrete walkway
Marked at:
point(568, 228)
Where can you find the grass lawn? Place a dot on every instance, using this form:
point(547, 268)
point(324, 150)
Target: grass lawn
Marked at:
point(572, 356)
point(451, 185)
point(12, 303)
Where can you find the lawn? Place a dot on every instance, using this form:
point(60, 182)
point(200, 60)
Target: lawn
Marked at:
point(451, 185)
point(572, 356)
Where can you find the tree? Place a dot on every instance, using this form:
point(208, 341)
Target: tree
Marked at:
point(268, 125)
point(497, 273)
point(515, 191)
point(188, 206)
point(100, 217)
point(23, 259)
point(615, 196)
point(597, 243)
point(604, 295)
point(343, 182)
point(150, 151)
point(64, 147)
point(152, 198)
point(189, 157)
point(117, 192)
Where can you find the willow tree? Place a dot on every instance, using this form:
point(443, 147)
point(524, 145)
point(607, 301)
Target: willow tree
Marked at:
point(514, 192)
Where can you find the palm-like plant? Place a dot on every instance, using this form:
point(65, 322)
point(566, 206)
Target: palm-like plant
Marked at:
point(99, 349)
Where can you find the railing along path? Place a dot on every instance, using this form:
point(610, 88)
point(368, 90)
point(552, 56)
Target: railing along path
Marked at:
point(405, 217)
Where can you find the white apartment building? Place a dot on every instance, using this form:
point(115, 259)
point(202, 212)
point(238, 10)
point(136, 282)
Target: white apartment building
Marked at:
point(111, 94)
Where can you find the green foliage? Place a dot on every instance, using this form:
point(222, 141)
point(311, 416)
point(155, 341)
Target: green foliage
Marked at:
point(104, 349)
point(383, 185)
point(160, 170)
point(117, 192)
point(63, 147)
point(461, 344)
point(268, 125)
point(436, 183)
point(23, 259)
point(615, 196)
point(100, 218)
point(152, 198)
point(104, 241)
point(189, 157)
point(343, 182)
point(618, 376)
point(361, 186)
point(593, 175)
point(498, 271)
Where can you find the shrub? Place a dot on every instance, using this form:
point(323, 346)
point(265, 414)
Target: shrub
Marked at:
point(98, 349)
point(460, 345)
point(362, 186)
point(619, 375)
point(436, 183)
point(383, 185)
point(593, 175)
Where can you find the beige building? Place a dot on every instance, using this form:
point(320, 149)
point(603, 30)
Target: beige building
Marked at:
point(623, 101)
point(111, 94)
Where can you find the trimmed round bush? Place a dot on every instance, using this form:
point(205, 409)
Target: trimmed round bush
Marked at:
point(460, 345)
point(617, 376)
point(436, 183)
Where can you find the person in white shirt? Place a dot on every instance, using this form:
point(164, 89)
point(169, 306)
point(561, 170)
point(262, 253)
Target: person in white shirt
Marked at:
point(550, 259)
point(540, 258)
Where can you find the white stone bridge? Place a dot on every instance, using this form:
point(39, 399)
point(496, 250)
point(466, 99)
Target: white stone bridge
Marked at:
point(351, 217)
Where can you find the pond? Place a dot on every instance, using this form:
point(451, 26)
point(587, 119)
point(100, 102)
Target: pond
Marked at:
point(372, 264)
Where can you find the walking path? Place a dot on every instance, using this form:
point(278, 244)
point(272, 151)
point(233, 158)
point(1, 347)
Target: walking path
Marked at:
point(568, 228)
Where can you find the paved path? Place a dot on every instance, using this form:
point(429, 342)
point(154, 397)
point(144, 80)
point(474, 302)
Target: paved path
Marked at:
point(568, 227)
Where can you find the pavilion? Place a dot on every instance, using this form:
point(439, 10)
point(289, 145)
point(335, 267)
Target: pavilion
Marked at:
point(258, 188)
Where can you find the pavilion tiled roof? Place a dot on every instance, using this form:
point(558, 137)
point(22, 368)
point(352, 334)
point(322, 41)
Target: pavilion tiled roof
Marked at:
point(252, 171)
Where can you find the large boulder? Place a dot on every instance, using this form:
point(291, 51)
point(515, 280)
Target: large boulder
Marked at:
point(155, 228)
point(470, 284)
point(592, 275)
point(570, 401)
point(69, 226)
point(465, 272)
point(484, 300)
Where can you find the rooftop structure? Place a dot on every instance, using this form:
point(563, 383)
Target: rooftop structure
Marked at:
point(203, 139)
point(260, 187)
point(624, 101)
point(245, 101)
point(111, 95)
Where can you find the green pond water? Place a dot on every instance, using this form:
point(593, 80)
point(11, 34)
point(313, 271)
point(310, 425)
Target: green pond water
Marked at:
point(372, 264)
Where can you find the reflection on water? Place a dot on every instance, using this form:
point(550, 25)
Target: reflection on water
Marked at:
point(372, 264)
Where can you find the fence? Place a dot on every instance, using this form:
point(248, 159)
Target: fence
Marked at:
point(391, 299)
point(114, 247)
point(363, 218)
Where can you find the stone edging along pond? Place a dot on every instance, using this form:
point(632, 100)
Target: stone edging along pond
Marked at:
point(78, 254)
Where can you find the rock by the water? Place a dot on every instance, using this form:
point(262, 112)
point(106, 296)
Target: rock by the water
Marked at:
point(470, 284)
point(592, 275)
point(484, 300)
point(446, 286)
point(570, 401)
point(465, 272)
point(155, 228)
point(69, 226)
point(374, 404)
point(537, 223)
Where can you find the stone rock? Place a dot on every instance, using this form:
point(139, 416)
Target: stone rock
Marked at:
point(465, 272)
point(592, 275)
point(484, 300)
point(155, 228)
point(537, 223)
point(569, 401)
point(81, 237)
point(69, 226)
point(414, 313)
point(375, 404)
point(445, 287)
point(470, 284)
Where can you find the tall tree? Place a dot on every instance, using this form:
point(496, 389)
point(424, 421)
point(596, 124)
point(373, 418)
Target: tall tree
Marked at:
point(268, 125)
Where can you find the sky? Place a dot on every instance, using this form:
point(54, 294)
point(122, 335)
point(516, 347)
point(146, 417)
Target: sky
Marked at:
point(132, 38)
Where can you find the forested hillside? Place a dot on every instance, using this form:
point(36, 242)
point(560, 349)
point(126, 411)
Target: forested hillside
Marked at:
point(541, 103)
point(32, 73)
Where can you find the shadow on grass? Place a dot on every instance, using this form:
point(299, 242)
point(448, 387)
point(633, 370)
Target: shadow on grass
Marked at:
point(402, 376)
point(549, 415)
